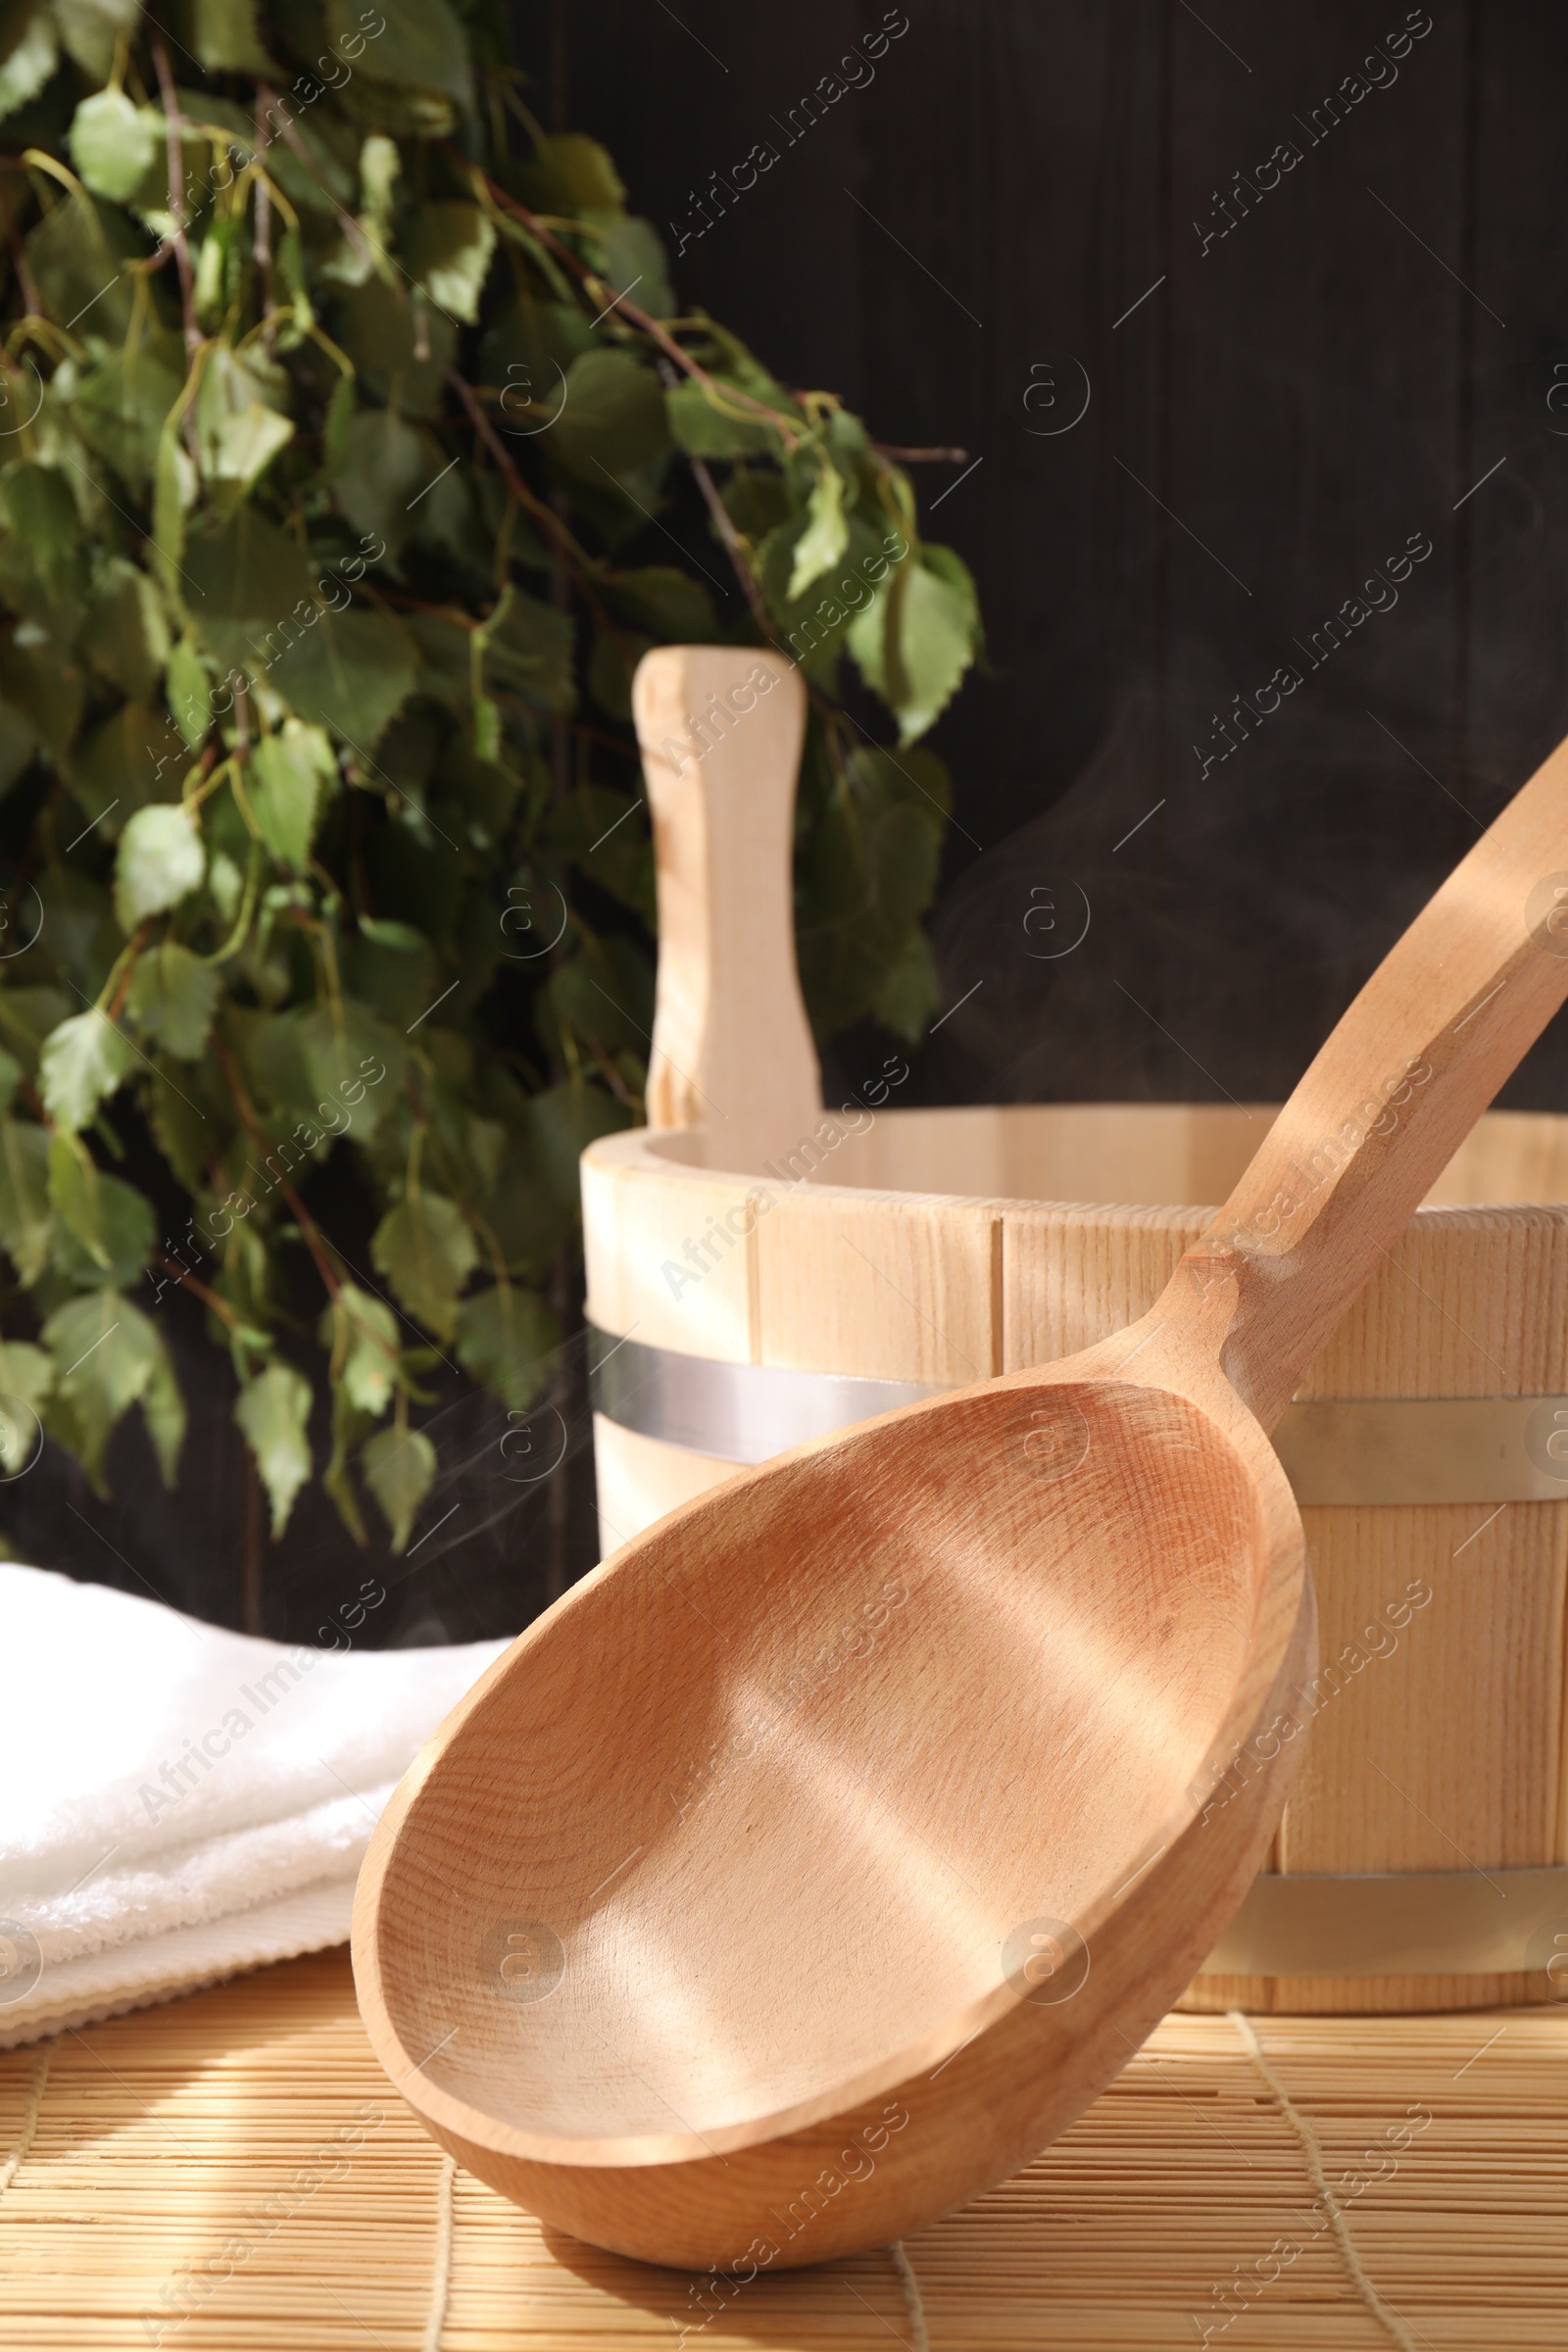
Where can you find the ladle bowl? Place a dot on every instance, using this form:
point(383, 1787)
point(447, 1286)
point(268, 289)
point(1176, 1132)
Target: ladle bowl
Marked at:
point(817, 1818)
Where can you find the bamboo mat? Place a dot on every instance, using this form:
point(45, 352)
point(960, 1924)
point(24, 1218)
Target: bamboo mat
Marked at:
point(148, 2194)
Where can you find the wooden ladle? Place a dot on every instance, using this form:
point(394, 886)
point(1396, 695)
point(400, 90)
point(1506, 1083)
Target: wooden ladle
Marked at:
point(816, 1859)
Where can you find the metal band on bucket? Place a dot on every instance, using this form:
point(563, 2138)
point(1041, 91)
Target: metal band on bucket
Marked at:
point(1442, 1923)
point(1351, 1449)
point(1335, 1450)
point(732, 1413)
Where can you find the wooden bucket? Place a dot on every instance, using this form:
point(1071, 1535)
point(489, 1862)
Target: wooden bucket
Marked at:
point(761, 1270)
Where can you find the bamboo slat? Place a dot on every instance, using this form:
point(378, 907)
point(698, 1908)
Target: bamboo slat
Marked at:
point(175, 2146)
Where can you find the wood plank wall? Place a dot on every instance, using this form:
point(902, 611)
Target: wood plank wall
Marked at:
point(1293, 401)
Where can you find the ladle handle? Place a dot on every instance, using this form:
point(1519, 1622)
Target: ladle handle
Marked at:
point(720, 728)
point(1444, 1018)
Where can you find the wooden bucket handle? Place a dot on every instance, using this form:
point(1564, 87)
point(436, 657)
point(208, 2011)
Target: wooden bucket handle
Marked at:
point(720, 730)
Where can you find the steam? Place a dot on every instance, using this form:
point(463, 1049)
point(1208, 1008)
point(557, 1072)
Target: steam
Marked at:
point(1227, 929)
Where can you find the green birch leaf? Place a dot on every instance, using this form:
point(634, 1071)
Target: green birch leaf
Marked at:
point(185, 681)
point(529, 648)
point(48, 691)
point(383, 932)
point(613, 420)
point(562, 1122)
point(352, 673)
point(118, 405)
point(910, 991)
point(131, 758)
point(25, 1371)
point(25, 1223)
point(708, 425)
point(506, 1340)
point(30, 60)
point(174, 492)
point(26, 1379)
point(127, 637)
point(163, 1408)
point(667, 603)
point(160, 861)
point(422, 48)
point(448, 253)
point(77, 254)
point(186, 1136)
point(41, 522)
point(272, 1412)
point(73, 1195)
point(91, 28)
point(918, 636)
point(386, 463)
point(426, 1251)
point(635, 264)
point(117, 1253)
point(340, 415)
point(400, 348)
point(242, 443)
point(27, 1015)
point(572, 174)
point(826, 534)
point(81, 1064)
point(240, 420)
point(119, 149)
point(814, 625)
point(380, 168)
point(173, 998)
point(289, 773)
point(107, 1352)
point(356, 1062)
point(247, 582)
point(225, 39)
point(348, 1428)
point(361, 1333)
point(399, 1467)
point(271, 1057)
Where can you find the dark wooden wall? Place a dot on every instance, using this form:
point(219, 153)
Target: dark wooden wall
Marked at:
point(1277, 418)
point(1283, 413)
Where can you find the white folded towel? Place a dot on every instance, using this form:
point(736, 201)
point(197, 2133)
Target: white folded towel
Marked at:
point(181, 1801)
